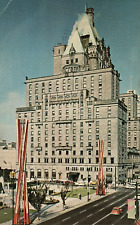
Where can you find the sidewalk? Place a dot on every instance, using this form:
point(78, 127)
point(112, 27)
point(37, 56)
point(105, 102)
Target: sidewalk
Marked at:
point(71, 203)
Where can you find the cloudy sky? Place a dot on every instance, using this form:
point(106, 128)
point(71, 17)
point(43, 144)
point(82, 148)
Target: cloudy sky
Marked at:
point(30, 28)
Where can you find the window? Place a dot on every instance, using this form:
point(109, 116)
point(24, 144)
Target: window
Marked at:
point(74, 138)
point(81, 152)
point(74, 111)
point(112, 160)
point(89, 160)
point(104, 160)
point(89, 144)
point(81, 131)
point(74, 124)
point(89, 152)
point(76, 60)
point(46, 160)
point(53, 152)
point(74, 144)
point(60, 160)
point(74, 160)
point(81, 160)
point(81, 144)
point(89, 130)
point(76, 80)
point(52, 160)
point(97, 160)
point(53, 138)
point(74, 152)
point(109, 122)
point(67, 160)
point(74, 131)
point(92, 78)
point(97, 137)
point(109, 108)
point(109, 152)
point(32, 160)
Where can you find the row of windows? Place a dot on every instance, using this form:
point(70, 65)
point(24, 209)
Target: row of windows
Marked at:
point(73, 160)
point(64, 82)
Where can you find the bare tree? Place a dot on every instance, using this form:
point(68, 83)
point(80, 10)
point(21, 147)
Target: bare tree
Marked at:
point(36, 196)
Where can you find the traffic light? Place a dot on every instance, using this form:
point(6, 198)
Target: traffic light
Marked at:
point(89, 178)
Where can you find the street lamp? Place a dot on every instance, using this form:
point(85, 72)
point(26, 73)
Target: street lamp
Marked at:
point(12, 177)
point(89, 178)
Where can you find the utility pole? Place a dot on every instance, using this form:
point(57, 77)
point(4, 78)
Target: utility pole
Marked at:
point(137, 203)
point(115, 178)
point(13, 196)
point(12, 175)
point(88, 184)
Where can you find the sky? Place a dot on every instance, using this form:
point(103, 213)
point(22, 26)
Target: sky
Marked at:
point(29, 29)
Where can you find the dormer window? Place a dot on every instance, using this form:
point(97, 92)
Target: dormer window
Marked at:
point(72, 50)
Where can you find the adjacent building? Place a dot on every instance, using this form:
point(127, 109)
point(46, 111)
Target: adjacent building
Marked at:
point(71, 110)
point(7, 155)
point(133, 133)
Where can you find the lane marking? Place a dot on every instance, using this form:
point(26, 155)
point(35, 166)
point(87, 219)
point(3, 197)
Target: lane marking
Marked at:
point(89, 215)
point(75, 223)
point(123, 216)
point(66, 218)
point(96, 204)
point(101, 219)
point(101, 209)
point(106, 200)
point(106, 215)
point(83, 211)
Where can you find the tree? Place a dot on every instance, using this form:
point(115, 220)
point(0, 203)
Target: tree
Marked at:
point(64, 192)
point(36, 196)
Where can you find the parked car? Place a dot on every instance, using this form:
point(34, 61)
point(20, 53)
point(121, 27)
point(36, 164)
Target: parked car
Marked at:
point(116, 211)
point(138, 222)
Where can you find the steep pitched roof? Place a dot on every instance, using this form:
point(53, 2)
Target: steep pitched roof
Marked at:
point(82, 27)
point(74, 41)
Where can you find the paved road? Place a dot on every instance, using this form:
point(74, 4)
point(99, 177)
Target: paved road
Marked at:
point(98, 212)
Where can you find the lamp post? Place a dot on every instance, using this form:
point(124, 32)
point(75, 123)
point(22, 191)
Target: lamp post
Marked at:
point(115, 178)
point(88, 184)
point(12, 177)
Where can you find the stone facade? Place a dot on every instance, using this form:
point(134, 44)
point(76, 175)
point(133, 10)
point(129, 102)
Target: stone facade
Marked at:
point(71, 110)
point(133, 131)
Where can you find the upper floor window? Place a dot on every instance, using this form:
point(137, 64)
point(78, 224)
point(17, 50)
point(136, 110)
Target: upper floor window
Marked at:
point(67, 61)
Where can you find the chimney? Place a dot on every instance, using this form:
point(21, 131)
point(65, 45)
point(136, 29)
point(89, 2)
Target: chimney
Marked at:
point(90, 12)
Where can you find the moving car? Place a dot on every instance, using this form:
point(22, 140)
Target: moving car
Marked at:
point(116, 211)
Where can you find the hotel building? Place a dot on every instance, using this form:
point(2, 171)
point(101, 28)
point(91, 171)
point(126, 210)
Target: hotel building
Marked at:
point(71, 110)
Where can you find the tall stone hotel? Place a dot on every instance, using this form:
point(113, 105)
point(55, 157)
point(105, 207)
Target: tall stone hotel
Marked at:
point(71, 110)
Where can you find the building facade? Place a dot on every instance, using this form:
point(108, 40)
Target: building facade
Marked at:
point(133, 133)
point(71, 110)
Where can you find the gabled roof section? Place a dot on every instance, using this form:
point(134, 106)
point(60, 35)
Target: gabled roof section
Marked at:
point(84, 26)
point(75, 42)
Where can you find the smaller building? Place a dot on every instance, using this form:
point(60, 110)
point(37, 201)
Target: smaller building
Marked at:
point(7, 155)
point(133, 133)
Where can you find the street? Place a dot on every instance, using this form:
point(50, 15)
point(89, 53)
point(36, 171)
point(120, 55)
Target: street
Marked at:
point(97, 212)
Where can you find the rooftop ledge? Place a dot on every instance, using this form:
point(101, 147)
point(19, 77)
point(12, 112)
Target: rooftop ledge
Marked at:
point(24, 109)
